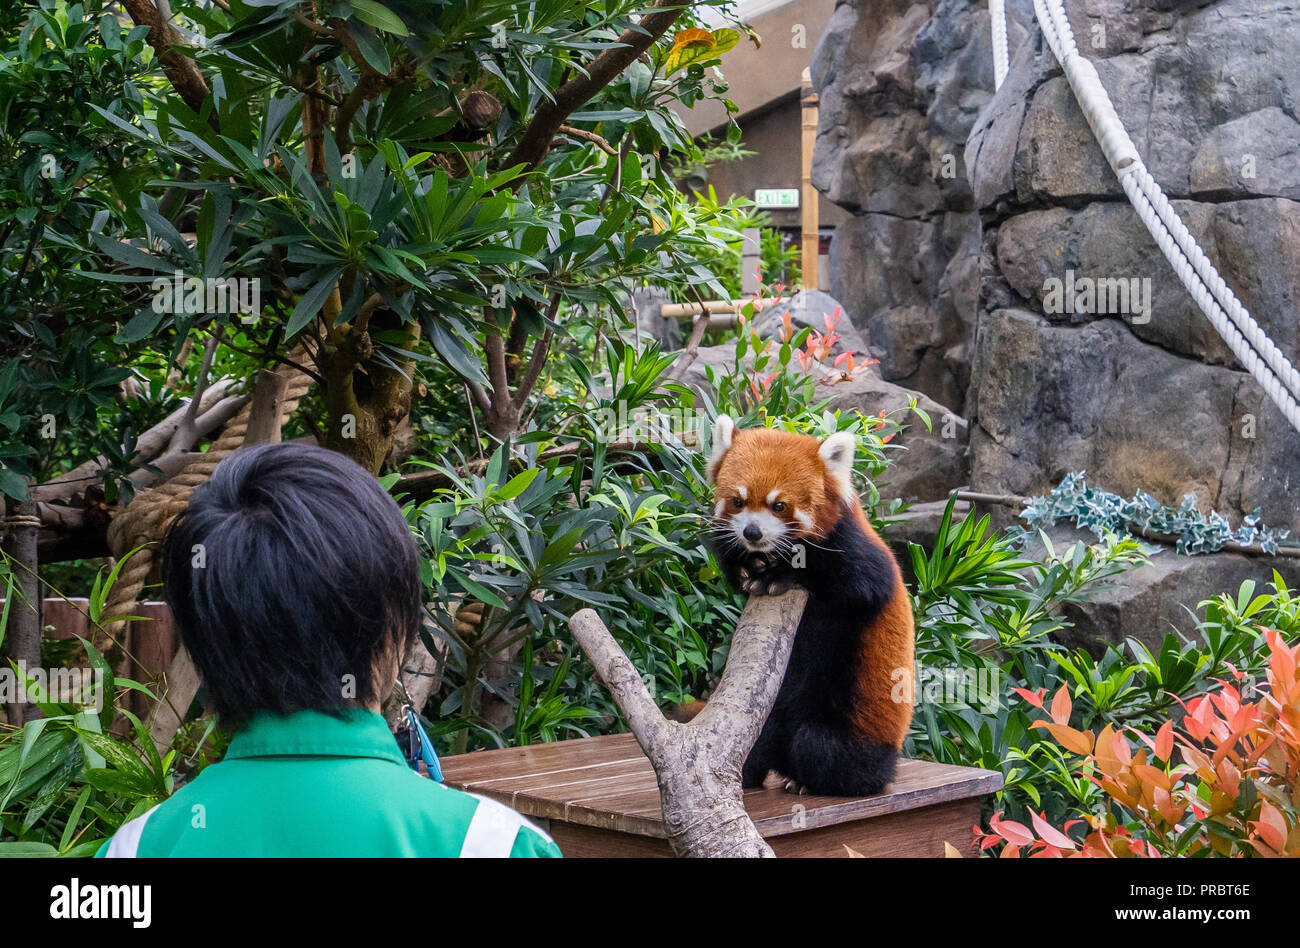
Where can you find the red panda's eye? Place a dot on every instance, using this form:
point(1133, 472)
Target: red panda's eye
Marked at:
point(779, 507)
point(737, 502)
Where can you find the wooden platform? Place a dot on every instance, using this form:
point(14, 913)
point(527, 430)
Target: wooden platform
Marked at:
point(600, 798)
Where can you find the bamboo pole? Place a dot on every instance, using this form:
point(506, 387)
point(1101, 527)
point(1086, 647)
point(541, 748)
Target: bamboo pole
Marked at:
point(811, 237)
point(22, 635)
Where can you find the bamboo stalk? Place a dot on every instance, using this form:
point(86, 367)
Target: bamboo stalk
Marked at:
point(811, 236)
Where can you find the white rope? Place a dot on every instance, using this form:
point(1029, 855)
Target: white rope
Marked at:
point(1248, 342)
point(998, 13)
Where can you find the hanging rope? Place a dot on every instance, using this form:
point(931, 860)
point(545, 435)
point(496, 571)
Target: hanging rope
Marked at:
point(1248, 342)
point(144, 521)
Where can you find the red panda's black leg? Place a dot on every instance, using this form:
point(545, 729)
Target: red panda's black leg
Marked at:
point(831, 760)
point(764, 756)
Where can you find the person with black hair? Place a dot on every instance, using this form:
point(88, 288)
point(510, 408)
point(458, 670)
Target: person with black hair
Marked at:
point(293, 577)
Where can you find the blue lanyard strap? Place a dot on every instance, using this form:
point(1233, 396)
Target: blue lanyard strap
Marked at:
point(426, 750)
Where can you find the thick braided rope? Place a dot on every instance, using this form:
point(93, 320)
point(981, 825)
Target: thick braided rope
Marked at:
point(1244, 337)
point(144, 521)
point(998, 14)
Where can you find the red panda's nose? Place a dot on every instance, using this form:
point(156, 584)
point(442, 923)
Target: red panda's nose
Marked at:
point(752, 533)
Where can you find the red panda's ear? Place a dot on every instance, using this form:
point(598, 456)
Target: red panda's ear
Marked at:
point(723, 429)
point(837, 454)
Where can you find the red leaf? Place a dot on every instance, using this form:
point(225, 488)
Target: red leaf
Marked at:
point(1015, 833)
point(1061, 706)
point(1165, 740)
point(1272, 828)
point(1050, 834)
point(1032, 697)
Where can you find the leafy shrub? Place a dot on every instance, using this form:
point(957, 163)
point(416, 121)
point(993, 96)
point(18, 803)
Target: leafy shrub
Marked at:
point(613, 522)
point(67, 781)
point(1235, 792)
point(985, 616)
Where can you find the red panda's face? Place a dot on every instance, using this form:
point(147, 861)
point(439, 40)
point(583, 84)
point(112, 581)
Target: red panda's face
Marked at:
point(773, 487)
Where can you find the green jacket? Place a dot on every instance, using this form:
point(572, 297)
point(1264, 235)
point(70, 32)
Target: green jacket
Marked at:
point(310, 784)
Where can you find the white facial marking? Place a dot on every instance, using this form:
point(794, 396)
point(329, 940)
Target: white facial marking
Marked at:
point(772, 495)
point(744, 494)
point(770, 530)
point(719, 508)
point(805, 518)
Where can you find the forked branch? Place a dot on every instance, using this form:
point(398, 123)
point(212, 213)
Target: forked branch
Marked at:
point(698, 764)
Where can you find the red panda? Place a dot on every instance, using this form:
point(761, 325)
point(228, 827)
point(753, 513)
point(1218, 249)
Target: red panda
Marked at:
point(786, 515)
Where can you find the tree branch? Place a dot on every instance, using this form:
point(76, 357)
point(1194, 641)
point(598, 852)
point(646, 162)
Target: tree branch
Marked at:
point(538, 359)
point(535, 143)
point(266, 416)
point(698, 765)
point(495, 347)
point(692, 350)
point(182, 71)
point(592, 137)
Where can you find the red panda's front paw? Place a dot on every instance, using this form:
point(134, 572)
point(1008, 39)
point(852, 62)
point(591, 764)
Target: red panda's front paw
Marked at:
point(763, 585)
point(756, 578)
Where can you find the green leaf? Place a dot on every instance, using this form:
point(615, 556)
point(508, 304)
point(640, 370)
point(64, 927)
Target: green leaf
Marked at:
point(452, 350)
point(26, 850)
point(380, 17)
point(144, 322)
point(12, 484)
point(518, 484)
point(372, 49)
point(310, 303)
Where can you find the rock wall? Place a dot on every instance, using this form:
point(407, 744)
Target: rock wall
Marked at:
point(1148, 398)
point(959, 280)
point(901, 85)
point(954, 269)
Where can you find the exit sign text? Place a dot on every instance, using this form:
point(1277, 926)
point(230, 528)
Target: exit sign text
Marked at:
point(776, 197)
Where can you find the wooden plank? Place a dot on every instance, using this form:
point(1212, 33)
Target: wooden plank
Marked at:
point(810, 233)
point(636, 811)
point(585, 842)
point(540, 758)
point(919, 784)
point(562, 781)
point(915, 834)
point(491, 771)
point(66, 616)
point(911, 834)
point(606, 783)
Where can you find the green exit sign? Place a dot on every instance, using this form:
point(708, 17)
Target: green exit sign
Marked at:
point(776, 197)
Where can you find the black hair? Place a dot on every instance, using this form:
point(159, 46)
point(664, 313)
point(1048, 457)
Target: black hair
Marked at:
point(291, 569)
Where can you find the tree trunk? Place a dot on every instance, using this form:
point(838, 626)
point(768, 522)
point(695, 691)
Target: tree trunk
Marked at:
point(698, 764)
point(22, 635)
point(365, 401)
point(502, 420)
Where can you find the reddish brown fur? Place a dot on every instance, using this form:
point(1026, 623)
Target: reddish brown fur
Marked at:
point(889, 643)
point(765, 459)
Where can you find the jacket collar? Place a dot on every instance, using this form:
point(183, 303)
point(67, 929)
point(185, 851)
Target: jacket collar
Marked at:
point(358, 733)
